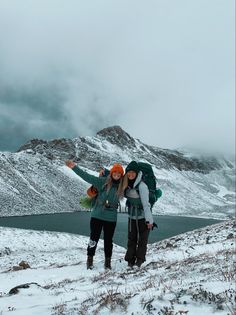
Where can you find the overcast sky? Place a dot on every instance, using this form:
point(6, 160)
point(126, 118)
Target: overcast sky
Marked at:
point(164, 70)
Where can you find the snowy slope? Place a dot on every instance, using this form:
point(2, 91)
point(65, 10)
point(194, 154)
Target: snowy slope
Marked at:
point(32, 184)
point(191, 273)
point(35, 180)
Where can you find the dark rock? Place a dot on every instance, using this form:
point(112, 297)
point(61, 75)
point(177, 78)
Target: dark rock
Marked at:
point(178, 239)
point(169, 245)
point(24, 264)
point(230, 236)
point(15, 290)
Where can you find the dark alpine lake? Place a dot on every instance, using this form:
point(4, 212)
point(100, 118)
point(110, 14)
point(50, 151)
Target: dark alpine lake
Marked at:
point(78, 223)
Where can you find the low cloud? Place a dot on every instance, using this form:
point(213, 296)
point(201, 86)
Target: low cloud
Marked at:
point(163, 71)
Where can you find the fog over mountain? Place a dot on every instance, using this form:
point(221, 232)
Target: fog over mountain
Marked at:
point(163, 70)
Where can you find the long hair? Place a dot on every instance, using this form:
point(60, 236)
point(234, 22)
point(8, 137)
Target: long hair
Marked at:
point(108, 185)
point(125, 182)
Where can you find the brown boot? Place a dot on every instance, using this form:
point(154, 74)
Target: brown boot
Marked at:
point(107, 263)
point(89, 262)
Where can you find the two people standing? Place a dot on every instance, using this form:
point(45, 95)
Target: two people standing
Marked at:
point(104, 212)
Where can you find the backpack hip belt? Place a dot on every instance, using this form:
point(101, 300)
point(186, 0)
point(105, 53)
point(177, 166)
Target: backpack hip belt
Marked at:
point(107, 205)
point(138, 207)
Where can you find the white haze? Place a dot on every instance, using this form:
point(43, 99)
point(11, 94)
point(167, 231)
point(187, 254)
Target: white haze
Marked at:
point(163, 70)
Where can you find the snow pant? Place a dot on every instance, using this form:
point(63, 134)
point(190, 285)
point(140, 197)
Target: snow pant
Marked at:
point(96, 227)
point(137, 241)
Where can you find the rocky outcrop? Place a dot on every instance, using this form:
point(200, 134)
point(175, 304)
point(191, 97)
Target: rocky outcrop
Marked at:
point(22, 265)
point(55, 149)
point(116, 135)
point(92, 152)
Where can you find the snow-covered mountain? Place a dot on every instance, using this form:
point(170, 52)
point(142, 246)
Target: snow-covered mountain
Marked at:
point(34, 180)
point(189, 274)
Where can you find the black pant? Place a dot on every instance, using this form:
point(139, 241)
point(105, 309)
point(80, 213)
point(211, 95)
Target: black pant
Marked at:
point(137, 241)
point(96, 226)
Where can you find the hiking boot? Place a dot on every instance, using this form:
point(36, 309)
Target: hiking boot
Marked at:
point(107, 263)
point(89, 262)
point(138, 263)
point(130, 264)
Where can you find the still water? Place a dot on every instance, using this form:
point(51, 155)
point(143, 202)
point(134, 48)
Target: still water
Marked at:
point(78, 223)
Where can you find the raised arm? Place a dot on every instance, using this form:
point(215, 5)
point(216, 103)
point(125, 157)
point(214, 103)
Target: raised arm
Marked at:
point(98, 182)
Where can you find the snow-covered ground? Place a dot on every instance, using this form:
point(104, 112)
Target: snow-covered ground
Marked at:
point(191, 273)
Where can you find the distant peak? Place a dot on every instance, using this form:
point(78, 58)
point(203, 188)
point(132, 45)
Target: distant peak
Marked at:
point(116, 135)
point(112, 130)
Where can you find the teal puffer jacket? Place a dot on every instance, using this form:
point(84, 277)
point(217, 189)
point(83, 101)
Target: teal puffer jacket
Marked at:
point(105, 207)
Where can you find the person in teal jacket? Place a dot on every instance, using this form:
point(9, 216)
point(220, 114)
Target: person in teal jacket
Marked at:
point(104, 211)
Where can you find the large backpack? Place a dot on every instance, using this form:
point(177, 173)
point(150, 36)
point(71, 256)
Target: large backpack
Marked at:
point(150, 180)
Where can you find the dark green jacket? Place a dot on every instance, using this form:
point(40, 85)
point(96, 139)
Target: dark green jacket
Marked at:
point(105, 207)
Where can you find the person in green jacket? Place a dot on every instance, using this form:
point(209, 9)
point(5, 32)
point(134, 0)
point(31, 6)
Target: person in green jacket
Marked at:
point(104, 211)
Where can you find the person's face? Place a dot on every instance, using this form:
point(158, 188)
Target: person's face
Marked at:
point(116, 175)
point(131, 175)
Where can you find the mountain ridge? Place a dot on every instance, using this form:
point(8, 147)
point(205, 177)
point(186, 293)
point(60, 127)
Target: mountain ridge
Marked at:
point(53, 149)
point(34, 180)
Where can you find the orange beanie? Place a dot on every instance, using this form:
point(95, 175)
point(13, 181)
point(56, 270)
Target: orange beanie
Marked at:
point(117, 168)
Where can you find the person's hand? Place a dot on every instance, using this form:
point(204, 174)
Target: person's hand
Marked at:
point(101, 172)
point(149, 226)
point(70, 164)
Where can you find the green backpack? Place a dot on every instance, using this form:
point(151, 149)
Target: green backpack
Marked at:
point(150, 180)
